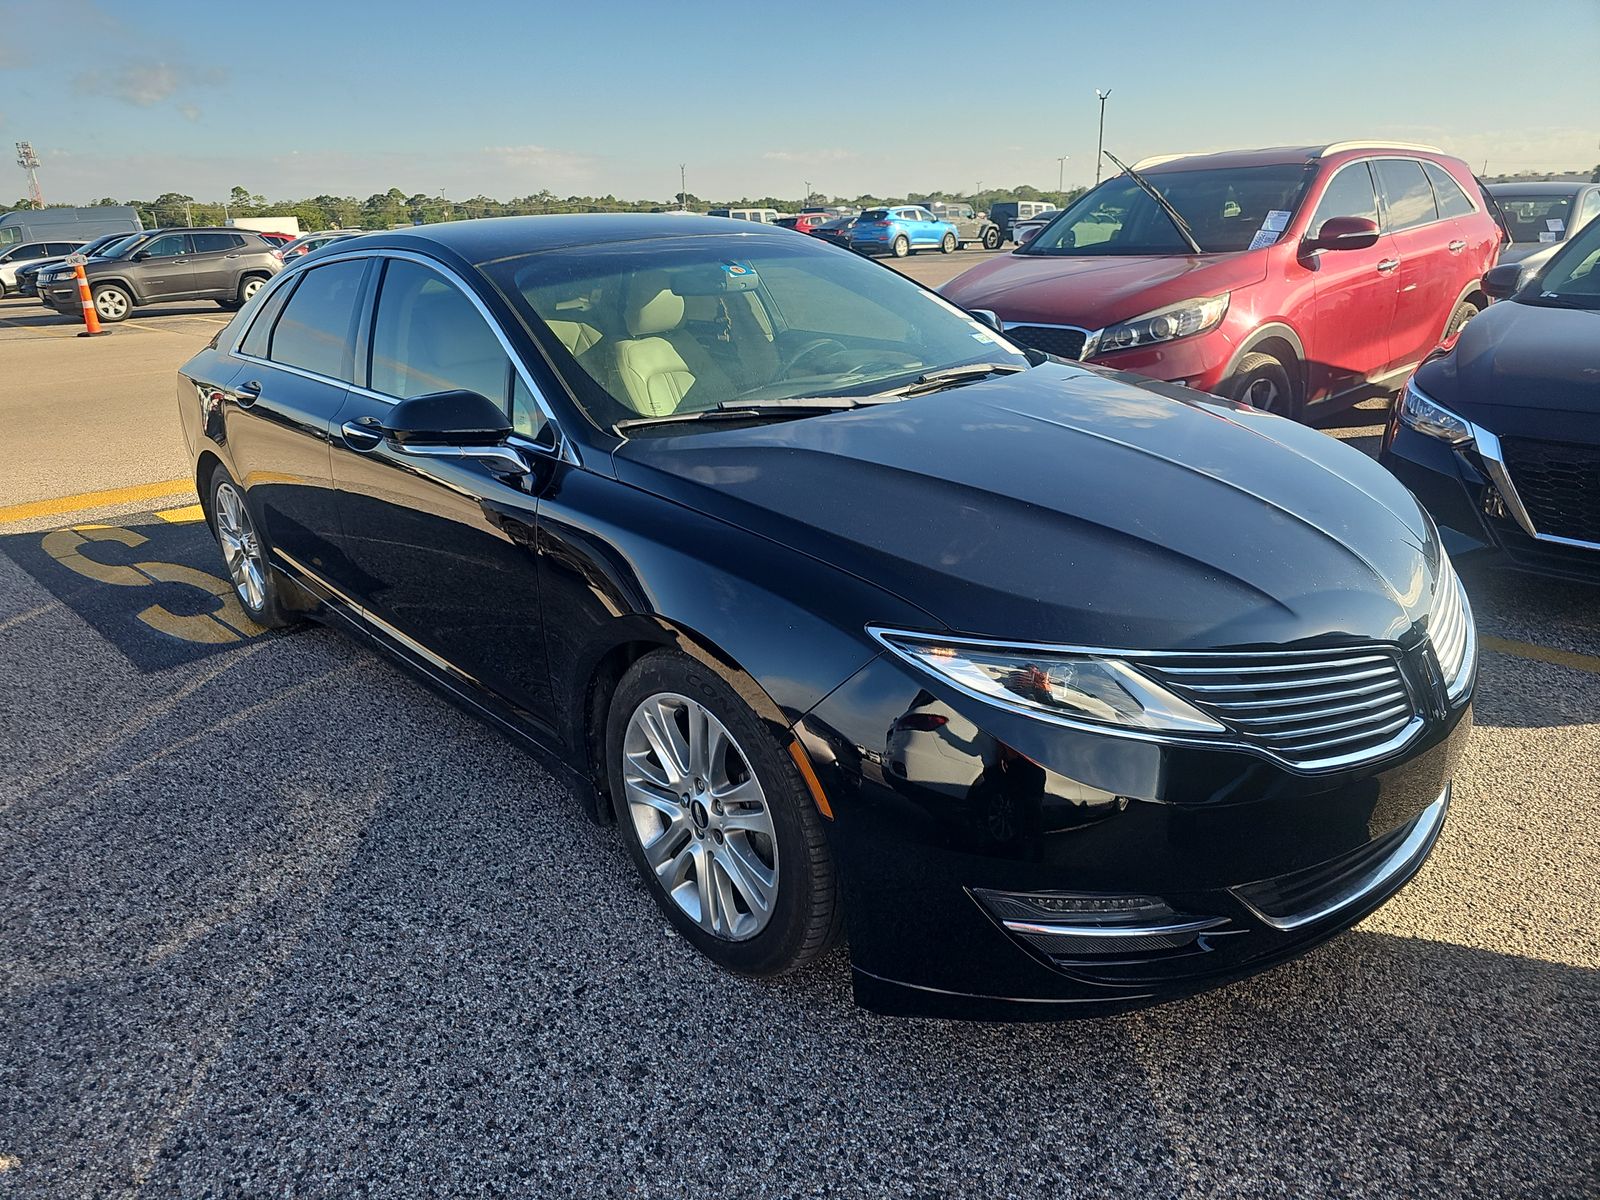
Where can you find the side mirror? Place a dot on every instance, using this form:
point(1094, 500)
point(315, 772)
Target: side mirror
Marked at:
point(988, 317)
point(455, 418)
point(1344, 233)
point(140, 255)
point(1503, 282)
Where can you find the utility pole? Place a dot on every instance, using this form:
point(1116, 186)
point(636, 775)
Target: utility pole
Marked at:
point(807, 200)
point(1099, 154)
point(683, 187)
point(188, 215)
point(1061, 173)
point(29, 162)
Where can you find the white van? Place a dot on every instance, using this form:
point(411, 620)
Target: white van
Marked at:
point(764, 216)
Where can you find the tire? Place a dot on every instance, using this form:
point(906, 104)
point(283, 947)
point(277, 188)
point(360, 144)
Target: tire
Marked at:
point(774, 840)
point(112, 303)
point(230, 305)
point(948, 246)
point(249, 286)
point(1261, 381)
point(901, 247)
point(991, 238)
point(256, 582)
point(1464, 312)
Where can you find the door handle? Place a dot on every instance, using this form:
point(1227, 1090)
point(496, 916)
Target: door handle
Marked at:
point(362, 436)
point(230, 256)
point(249, 393)
point(1388, 264)
point(180, 260)
point(1457, 247)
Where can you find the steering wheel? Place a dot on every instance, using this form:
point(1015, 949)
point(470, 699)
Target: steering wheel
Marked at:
point(808, 348)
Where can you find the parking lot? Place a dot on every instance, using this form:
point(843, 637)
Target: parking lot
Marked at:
point(285, 922)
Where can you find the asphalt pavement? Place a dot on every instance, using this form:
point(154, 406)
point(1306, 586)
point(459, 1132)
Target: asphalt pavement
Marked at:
point(282, 922)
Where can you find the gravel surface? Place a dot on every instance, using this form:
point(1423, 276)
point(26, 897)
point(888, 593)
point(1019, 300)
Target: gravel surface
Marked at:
point(281, 922)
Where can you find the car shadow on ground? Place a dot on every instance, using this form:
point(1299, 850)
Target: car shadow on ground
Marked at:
point(27, 314)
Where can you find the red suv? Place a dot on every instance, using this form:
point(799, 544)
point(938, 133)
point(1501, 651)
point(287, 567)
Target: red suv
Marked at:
point(1286, 278)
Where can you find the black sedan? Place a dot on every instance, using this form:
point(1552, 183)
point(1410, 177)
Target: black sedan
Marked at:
point(1056, 691)
point(1500, 436)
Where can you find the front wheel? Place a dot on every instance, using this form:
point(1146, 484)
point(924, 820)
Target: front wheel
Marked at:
point(991, 239)
point(901, 247)
point(112, 303)
point(726, 837)
point(1263, 382)
point(948, 246)
point(1464, 312)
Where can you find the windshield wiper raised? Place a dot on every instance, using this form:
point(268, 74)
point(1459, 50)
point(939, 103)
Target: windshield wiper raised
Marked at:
point(934, 381)
point(1162, 203)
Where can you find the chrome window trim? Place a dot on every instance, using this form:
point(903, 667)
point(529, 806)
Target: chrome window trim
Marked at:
point(1408, 853)
point(1383, 199)
point(564, 447)
point(1488, 446)
point(1229, 740)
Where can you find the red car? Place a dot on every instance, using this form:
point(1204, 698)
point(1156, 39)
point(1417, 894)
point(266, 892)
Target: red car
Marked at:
point(276, 238)
point(805, 222)
point(1289, 278)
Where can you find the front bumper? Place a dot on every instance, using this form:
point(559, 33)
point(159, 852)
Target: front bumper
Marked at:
point(1264, 862)
point(1465, 494)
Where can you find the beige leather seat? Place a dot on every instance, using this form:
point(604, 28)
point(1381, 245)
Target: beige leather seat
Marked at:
point(577, 337)
point(659, 365)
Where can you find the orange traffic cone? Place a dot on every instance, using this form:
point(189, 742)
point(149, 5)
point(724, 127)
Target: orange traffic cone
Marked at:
point(91, 319)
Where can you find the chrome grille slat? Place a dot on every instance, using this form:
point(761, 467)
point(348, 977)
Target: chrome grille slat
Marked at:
point(1315, 709)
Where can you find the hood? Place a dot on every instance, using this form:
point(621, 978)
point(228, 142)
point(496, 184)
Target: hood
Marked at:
point(1075, 506)
point(1519, 251)
point(1094, 292)
point(1515, 356)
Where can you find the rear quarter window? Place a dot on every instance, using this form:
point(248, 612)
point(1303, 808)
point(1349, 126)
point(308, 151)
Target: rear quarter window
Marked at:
point(1452, 201)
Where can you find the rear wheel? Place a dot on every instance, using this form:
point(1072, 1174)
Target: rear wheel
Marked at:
point(1263, 382)
point(948, 246)
point(901, 246)
point(254, 580)
point(991, 238)
point(722, 829)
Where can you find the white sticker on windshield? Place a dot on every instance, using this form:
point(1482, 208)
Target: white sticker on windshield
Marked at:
point(983, 337)
point(1263, 237)
point(1554, 224)
point(1277, 220)
point(1547, 236)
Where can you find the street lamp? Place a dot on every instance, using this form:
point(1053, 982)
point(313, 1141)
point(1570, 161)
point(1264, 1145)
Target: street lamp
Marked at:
point(1099, 154)
point(1061, 173)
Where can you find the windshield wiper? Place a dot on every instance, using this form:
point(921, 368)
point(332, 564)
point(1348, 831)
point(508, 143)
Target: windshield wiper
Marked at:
point(749, 410)
point(1162, 203)
point(934, 381)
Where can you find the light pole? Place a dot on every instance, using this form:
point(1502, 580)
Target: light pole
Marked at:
point(683, 187)
point(806, 203)
point(1099, 154)
point(1061, 173)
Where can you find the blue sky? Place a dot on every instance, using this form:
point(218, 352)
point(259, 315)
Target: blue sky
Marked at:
point(608, 97)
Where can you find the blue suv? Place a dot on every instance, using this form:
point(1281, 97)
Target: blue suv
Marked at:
point(899, 231)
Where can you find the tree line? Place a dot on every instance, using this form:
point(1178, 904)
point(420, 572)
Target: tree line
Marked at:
point(383, 210)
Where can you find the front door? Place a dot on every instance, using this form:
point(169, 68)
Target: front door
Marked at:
point(440, 551)
point(164, 270)
point(278, 411)
point(1347, 333)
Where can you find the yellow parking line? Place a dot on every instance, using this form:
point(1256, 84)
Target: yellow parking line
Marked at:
point(62, 505)
point(184, 515)
point(1561, 658)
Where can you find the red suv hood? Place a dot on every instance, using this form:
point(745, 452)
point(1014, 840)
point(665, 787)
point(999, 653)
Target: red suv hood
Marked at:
point(1096, 292)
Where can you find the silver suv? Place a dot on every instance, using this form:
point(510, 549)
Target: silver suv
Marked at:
point(225, 265)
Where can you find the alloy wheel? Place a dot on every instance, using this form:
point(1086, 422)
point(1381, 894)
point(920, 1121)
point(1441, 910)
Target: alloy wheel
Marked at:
point(701, 816)
point(1265, 395)
point(111, 304)
point(251, 287)
point(241, 548)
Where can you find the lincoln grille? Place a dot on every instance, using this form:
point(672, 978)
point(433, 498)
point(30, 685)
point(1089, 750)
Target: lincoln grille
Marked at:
point(1311, 709)
point(1559, 485)
point(1059, 340)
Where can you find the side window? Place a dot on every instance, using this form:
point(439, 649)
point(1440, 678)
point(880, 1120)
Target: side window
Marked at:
point(212, 243)
point(318, 323)
point(1349, 194)
point(1447, 192)
point(526, 418)
point(1590, 209)
point(428, 337)
point(259, 337)
point(168, 246)
point(1407, 196)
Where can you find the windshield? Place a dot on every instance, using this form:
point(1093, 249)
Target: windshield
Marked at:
point(1535, 218)
point(687, 324)
point(1572, 280)
point(119, 247)
point(1225, 206)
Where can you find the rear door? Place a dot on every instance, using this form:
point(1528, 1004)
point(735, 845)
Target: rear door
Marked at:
point(298, 354)
point(216, 263)
point(1426, 263)
point(440, 551)
point(1354, 292)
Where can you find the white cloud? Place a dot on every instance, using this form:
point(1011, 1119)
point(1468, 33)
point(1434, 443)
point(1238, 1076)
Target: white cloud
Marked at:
point(542, 164)
point(802, 157)
point(141, 83)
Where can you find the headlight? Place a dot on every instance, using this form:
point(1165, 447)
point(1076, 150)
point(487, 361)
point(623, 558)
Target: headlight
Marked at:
point(1163, 325)
point(1427, 416)
point(1070, 687)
